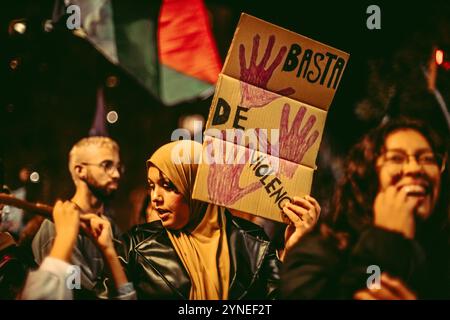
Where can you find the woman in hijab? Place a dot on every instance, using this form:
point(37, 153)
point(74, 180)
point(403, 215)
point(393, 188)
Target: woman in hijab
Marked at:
point(199, 250)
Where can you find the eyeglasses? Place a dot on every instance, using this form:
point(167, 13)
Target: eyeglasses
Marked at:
point(397, 159)
point(108, 166)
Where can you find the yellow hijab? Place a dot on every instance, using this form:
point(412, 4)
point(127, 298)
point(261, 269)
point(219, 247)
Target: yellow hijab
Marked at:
point(202, 245)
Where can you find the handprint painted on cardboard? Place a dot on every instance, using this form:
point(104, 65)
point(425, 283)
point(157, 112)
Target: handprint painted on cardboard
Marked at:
point(259, 74)
point(299, 125)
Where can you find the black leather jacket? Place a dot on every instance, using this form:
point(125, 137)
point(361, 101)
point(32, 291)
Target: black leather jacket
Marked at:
point(152, 264)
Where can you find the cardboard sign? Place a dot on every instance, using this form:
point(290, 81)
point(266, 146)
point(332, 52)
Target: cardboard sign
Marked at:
point(246, 180)
point(281, 61)
point(277, 82)
point(292, 128)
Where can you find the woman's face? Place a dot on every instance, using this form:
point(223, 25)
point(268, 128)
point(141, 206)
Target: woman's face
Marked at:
point(170, 205)
point(409, 162)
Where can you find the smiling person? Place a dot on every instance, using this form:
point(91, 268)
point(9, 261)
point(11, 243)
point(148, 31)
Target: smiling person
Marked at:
point(391, 215)
point(94, 164)
point(199, 250)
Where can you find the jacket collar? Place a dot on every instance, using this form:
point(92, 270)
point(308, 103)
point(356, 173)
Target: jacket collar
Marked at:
point(160, 254)
point(246, 256)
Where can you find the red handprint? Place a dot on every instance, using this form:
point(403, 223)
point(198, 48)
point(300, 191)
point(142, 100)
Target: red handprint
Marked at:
point(257, 76)
point(294, 143)
point(223, 177)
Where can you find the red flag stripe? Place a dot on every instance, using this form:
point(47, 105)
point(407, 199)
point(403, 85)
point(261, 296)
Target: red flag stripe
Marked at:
point(185, 40)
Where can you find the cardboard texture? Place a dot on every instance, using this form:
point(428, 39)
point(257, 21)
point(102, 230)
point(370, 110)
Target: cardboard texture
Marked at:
point(282, 84)
point(300, 125)
point(250, 186)
point(313, 70)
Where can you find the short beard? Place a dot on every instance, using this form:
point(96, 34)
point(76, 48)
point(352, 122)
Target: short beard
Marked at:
point(99, 192)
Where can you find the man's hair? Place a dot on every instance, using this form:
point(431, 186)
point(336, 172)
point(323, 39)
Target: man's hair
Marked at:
point(83, 144)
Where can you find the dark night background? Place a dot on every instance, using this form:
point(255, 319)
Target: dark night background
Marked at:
point(48, 101)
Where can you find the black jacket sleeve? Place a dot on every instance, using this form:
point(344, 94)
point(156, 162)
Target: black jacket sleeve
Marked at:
point(317, 269)
point(384, 251)
point(310, 269)
point(273, 265)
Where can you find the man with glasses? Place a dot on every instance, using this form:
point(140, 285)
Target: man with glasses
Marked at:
point(94, 164)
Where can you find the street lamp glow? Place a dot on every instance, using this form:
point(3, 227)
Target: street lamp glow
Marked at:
point(439, 57)
point(112, 117)
point(34, 177)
